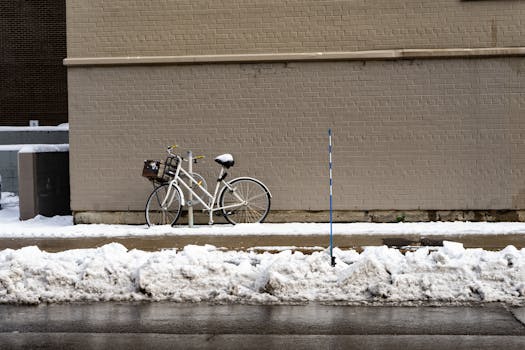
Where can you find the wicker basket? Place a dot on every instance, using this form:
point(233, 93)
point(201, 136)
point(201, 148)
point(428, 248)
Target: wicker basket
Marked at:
point(157, 171)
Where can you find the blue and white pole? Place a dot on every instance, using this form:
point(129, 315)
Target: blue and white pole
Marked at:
point(332, 258)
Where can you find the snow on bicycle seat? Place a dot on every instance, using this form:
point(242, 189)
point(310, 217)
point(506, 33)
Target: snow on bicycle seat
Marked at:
point(226, 160)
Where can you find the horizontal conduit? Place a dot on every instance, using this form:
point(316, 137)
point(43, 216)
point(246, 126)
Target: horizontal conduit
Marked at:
point(306, 56)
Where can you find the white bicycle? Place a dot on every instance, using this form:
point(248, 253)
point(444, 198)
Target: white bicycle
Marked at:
point(241, 200)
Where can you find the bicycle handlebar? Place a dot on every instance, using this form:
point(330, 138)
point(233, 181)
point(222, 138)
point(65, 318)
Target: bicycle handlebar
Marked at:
point(170, 148)
point(195, 158)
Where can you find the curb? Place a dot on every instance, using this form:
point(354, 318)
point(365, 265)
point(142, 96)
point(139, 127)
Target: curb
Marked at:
point(245, 242)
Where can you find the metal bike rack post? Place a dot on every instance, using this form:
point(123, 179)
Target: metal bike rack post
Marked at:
point(190, 195)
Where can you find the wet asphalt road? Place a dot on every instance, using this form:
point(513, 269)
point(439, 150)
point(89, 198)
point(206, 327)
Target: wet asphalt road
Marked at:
point(198, 326)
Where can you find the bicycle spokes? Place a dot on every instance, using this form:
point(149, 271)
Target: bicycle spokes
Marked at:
point(247, 202)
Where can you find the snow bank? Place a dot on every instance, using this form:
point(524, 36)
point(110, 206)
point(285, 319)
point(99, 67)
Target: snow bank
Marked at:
point(9, 212)
point(204, 274)
point(9, 199)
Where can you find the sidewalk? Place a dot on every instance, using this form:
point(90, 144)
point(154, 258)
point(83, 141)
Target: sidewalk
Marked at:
point(59, 233)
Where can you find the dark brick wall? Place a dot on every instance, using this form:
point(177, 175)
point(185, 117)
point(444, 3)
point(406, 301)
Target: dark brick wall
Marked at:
point(33, 81)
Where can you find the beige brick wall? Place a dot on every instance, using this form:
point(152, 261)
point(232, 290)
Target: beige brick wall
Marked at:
point(98, 28)
point(420, 134)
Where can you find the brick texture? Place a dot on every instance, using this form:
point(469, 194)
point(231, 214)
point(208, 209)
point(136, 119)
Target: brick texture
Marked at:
point(101, 28)
point(422, 134)
point(33, 82)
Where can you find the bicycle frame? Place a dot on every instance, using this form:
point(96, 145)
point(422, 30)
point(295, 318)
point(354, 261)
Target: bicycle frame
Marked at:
point(212, 205)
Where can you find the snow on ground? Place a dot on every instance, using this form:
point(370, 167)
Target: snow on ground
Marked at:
point(450, 274)
point(62, 226)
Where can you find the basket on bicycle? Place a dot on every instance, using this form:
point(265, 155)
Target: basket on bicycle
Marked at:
point(161, 172)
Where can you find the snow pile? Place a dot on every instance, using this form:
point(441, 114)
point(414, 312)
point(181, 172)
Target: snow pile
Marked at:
point(10, 222)
point(9, 199)
point(9, 212)
point(206, 274)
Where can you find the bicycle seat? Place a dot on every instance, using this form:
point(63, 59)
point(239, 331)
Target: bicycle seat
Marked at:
point(226, 160)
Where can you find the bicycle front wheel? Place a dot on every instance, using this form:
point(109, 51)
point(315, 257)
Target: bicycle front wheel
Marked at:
point(248, 201)
point(163, 207)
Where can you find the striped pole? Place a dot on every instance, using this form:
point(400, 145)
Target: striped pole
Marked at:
point(332, 258)
point(190, 195)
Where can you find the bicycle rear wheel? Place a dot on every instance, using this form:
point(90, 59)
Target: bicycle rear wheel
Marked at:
point(249, 201)
point(167, 214)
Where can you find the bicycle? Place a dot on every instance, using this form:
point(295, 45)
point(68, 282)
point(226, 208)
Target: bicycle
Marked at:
point(241, 200)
